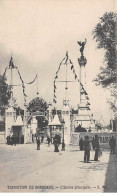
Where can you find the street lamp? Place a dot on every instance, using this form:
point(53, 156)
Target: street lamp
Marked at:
point(24, 120)
point(63, 143)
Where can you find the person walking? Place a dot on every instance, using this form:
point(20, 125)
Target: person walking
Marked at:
point(48, 140)
point(96, 147)
point(38, 143)
point(56, 145)
point(32, 138)
point(81, 143)
point(112, 144)
point(42, 138)
point(87, 149)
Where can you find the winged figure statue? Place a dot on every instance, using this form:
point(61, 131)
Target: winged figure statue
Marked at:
point(82, 44)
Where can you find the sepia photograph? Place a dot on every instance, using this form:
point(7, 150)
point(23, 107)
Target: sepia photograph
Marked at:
point(58, 96)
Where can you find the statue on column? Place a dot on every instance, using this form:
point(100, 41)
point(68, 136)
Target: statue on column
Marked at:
point(82, 44)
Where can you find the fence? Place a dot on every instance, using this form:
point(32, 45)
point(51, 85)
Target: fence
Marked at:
point(104, 138)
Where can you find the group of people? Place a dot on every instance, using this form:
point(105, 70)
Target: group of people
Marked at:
point(39, 141)
point(56, 142)
point(86, 146)
point(13, 140)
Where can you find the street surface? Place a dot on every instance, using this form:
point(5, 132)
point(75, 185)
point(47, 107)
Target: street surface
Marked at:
point(25, 169)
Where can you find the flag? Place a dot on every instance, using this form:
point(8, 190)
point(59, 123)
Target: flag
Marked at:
point(72, 67)
point(11, 65)
point(74, 71)
point(54, 86)
point(75, 76)
point(56, 77)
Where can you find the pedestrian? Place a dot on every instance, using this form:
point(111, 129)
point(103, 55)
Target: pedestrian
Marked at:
point(13, 140)
point(112, 144)
point(87, 149)
point(81, 143)
point(8, 140)
point(56, 145)
point(32, 138)
point(96, 147)
point(38, 143)
point(48, 139)
point(42, 137)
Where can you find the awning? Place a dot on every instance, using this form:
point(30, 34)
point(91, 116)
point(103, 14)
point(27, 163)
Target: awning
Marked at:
point(18, 122)
point(55, 121)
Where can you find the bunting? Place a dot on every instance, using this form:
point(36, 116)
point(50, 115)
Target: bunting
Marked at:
point(68, 60)
point(4, 74)
point(26, 82)
point(23, 86)
point(54, 99)
point(12, 66)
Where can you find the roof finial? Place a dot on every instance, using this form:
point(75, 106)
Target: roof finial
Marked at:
point(11, 64)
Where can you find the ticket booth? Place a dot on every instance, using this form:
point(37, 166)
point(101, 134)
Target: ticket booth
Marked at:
point(55, 128)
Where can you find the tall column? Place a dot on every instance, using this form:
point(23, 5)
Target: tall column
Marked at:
point(82, 62)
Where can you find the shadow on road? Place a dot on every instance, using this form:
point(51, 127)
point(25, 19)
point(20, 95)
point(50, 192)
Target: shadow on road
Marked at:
point(111, 175)
point(74, 150)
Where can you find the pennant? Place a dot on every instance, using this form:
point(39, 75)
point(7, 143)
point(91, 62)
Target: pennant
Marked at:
point(72, 67)
point(66, 57)
point(74, 71)
point(54, 86)
point(25, 95)
point(70, 61)
point(54, 100)
point(56, 77)
point(75, 76)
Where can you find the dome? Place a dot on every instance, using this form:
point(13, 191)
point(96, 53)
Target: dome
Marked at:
point(37, 104)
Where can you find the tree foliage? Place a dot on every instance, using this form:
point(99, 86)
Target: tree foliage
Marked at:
point(5, 94)
point(105, 35)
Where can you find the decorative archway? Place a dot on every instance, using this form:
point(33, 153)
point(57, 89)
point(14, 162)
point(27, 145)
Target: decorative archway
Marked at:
point(38, 109)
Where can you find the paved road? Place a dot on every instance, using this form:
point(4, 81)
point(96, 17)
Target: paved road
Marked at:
point(25, 169)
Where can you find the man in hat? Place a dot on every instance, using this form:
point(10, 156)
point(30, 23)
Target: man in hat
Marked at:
point(112, 144)
point(96, 147)
point(38, 143)
point(87, 149)
point(81, 142)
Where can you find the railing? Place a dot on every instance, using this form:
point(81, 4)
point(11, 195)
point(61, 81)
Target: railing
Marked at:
point(104, 138)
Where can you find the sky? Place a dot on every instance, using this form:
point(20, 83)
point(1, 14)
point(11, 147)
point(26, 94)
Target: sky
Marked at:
point(38, 33)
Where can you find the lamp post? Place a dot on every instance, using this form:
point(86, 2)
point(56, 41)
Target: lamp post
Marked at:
point(63, 143)
point(24, 120)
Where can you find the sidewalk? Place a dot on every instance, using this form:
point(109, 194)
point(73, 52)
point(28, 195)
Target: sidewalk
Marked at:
point(111, 174)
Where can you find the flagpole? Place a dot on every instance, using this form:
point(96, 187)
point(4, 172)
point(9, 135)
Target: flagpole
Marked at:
point(37, 86)
point(11, 83)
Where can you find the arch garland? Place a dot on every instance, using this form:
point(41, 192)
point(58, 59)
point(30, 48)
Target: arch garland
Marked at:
point(66, 61)
point(12, 66)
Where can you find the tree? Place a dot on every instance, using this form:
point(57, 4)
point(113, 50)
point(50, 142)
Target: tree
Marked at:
point(105, 35)
point(5, 94)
